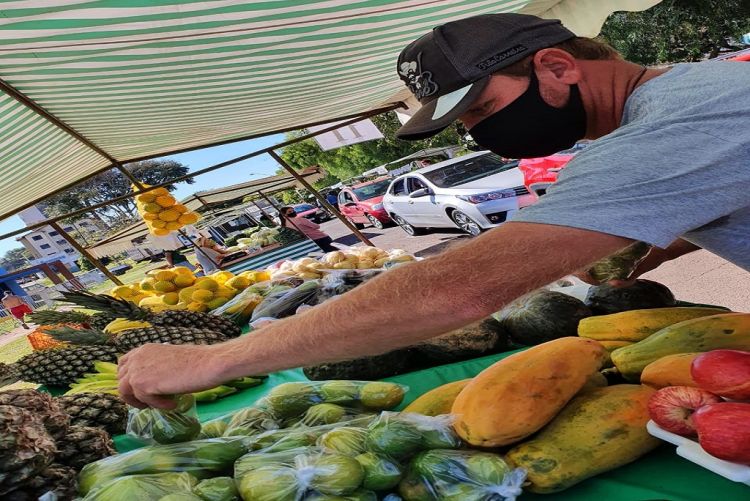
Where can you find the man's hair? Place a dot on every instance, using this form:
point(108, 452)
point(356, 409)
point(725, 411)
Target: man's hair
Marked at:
point(578, 47)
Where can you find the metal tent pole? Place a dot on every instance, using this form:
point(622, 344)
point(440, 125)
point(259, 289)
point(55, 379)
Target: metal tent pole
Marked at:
point(320, 198)
point(98, 264)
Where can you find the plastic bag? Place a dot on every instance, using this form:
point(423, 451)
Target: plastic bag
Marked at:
point(254, 460)
point(290, 400)
point(304, 436)
point(400, 435)
point(347, 440)
point(337, 282)
point(142, 487)
point(284, 305)
point(621, 265)
point(460, 475)
point(240, 308)
point(381, 472)
point(162, 426)
point(262, 322)
point(217, 489)
point(249, 421)
point(326, 413)
point(200, 458)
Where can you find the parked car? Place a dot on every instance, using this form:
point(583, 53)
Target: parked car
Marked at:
point(314, 214)
point(473, 192)
point(363, 203)
point(540, 173)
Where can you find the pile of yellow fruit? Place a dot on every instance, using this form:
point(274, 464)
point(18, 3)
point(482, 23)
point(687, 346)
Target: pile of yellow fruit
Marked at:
point(162, 213)
point(179, 289)
point(361, 258)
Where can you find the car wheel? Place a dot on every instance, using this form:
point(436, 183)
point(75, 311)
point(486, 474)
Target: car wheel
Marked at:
point(375, 222)
point(465, 223)
point(409, 229)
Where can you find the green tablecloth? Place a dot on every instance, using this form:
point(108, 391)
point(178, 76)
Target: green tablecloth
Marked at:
point(661, 475)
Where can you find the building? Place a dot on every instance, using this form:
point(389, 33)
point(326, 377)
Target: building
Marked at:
point(46, 244)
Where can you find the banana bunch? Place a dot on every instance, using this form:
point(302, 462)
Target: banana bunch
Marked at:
point(122, 324)
point(104, 380)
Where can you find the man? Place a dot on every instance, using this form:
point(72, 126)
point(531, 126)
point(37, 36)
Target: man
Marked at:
point(16, 307)
point(671, 167)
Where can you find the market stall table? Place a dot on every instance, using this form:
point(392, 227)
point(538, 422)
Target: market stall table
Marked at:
point(270, 255)
point(660, 475)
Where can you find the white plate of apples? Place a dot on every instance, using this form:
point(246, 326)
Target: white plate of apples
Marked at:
point(709, 422)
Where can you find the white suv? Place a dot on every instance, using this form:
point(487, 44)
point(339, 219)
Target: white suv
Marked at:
point(474, 192)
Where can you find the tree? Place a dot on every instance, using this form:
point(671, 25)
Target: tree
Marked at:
point(113, 184)
point(679, 30)
point(344, 163)
point(15, 259)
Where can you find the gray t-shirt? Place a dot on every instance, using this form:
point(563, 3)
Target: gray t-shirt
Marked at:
point(678, 166)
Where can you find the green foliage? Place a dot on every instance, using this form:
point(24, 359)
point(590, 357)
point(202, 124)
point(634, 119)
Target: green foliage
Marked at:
point(679, 30)
point(84, 264)
point(347, 162)
point(15, 259)
point(290, 197)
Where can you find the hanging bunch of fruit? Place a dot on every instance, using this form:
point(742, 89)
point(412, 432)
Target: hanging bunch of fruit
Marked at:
point(162, 213)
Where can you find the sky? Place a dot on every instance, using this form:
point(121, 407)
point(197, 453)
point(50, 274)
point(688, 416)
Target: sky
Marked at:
point(256, 167)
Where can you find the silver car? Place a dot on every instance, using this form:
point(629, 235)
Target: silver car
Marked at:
point(473, 192)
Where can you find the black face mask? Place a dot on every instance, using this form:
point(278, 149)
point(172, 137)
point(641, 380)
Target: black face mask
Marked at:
point(530, 128)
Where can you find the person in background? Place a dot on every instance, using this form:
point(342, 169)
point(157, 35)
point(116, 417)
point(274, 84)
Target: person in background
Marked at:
point(209, 255)
point(332, 197)
point(266, 221)
point(289, 219)
point(175, 258)
point(16, 307)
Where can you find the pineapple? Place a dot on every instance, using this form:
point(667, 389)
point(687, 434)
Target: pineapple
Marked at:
point(57, 479)
point(100, 320)
point(133, 338)
point(40, 404)
point(25, 449)
point(49, 317)
point(8, 374)
point(96, 409)
point(62, 366)
point(83, 445)
point(172, 318)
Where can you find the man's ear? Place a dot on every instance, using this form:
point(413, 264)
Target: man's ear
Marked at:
point(556, 65)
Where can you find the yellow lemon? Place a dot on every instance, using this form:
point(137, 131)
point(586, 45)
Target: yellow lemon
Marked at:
point(186, 294)
point(159, 192)
point(147, 284)
point(122, 291)
point(146, 198)
point(159, 224)
point(226, 292)
point(188, 218)
point(195, 306)
point(180, 208)
point(173, 225)
point(238, 283)
point(165, 200)
point(206, 283)
point(216, 302)
point(152, 207)
point(182, 270)
point(169, 215)
point(202, 296)
point(150, 216)
point(164, 286)
point(166, 275)
point(183, 280)
point(171, 298)
point(160, 232)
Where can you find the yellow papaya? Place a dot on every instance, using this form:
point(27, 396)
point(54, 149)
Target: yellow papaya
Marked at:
point(637, 325)
point(613, 345)
point(726, 331)
point(518, 395)
point(672, 370)
point(438, 400)
point(599, 430)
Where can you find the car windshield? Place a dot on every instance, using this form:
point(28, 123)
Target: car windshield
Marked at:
point(373, 190)
point(468, 170)
point(303, 207)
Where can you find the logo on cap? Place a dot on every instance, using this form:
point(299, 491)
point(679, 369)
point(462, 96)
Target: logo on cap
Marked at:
point(419, 82)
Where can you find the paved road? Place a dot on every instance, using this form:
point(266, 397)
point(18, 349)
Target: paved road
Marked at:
point(700, 277)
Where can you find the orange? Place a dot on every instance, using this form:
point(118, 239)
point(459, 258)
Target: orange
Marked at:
point(165, 200)
point(169, 215)
point(188, 218)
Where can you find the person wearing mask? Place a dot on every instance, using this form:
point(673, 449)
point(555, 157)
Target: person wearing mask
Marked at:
point(175, 258)
point(209, 255)
point(670, 166)
point(16, 307)
point(290, 219)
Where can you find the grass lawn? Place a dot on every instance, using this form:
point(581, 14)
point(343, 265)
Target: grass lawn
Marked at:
point(11, 352)
point(135, 274)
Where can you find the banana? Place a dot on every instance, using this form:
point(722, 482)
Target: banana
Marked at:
point(121, 324)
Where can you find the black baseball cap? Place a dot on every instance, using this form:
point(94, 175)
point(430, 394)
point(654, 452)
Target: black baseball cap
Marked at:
point(448, 68)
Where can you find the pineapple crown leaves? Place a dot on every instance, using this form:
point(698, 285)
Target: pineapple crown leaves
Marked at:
point(107, 304)
point(45, 317)
point(83, 337)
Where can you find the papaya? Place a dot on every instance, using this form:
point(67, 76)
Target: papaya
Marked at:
point(518, 395)
point(727, 330)
point(613, 345)
point(672, 370)
point(438, 400)
point(599, 430)
point(637, 325)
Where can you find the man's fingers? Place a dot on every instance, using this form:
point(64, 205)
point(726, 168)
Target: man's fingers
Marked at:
point(126, 393)
point(157, 401)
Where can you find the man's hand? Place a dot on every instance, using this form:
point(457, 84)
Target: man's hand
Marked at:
point(152, 373)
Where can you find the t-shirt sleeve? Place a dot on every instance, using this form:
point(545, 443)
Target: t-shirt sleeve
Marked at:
point(648, 185)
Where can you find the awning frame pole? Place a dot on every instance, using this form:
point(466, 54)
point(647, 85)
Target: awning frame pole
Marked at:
point(320, 198)
point(98, 264)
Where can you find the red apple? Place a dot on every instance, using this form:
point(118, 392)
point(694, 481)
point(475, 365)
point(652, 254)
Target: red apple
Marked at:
point(672, 407)
point(724, 430)
point(724, 372)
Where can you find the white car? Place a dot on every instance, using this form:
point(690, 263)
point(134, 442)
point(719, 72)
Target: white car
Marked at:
point(474, 192)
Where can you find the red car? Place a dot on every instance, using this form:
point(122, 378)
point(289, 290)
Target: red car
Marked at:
point(363, 203)
point(540, 173)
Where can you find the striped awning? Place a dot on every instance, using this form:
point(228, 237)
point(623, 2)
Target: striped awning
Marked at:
point(139, 79)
